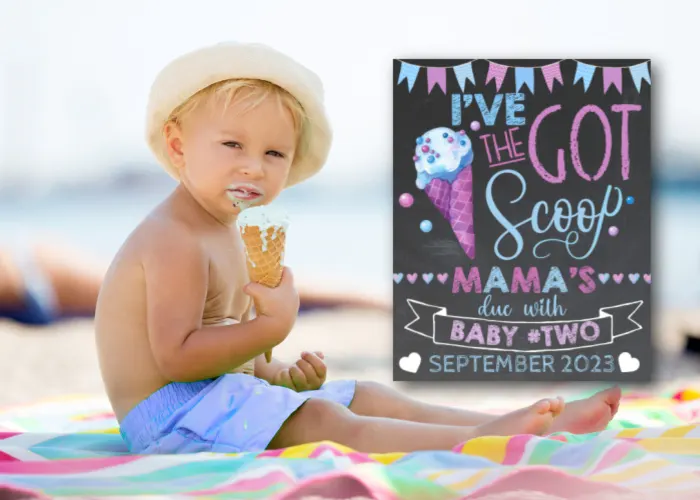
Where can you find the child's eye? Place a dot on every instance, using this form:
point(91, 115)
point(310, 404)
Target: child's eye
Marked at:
point(276, 153)
point(232, 144)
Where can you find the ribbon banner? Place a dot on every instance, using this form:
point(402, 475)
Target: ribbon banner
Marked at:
point(522, 336)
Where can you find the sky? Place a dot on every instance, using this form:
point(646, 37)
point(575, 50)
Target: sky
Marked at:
point(75, 74)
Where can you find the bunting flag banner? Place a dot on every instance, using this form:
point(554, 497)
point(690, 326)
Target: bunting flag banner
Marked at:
point(464, 72)
point(408, 72)
point(437, 76)
point(585, 72)
point(525, 76)
point(612, 76)
point(640, 72)
point(497, 72)
point(552, 73)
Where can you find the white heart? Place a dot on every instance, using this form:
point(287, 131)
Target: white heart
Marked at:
point(628, 364)
point(410, 363)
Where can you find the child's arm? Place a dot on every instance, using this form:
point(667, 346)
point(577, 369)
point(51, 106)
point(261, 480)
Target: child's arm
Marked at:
point(176, 272)
point(263, 369)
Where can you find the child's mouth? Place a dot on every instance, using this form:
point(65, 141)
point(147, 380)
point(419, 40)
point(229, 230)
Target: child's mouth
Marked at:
point(242, 193)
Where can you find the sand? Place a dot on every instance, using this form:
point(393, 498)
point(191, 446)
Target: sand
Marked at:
point(40, 363)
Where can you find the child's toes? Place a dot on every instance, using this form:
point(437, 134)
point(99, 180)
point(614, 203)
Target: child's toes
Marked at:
point(544, 406)
point(561, 404)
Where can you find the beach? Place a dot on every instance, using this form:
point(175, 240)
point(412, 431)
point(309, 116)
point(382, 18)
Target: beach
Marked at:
point(60, 360)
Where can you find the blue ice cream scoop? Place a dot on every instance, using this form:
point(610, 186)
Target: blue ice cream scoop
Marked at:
point(441, 153)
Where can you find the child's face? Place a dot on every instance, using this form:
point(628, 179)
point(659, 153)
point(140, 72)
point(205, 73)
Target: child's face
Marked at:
point(237, 158)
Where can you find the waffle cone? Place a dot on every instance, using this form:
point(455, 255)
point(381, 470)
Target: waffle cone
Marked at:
point(456, 204)
point(265, 253)
point(265, 257)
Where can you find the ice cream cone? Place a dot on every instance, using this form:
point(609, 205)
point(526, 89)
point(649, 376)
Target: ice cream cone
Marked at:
point(456, 204)
point(438, 191)
point(443, 160)
point(264, 240)
point(461, 213)
point(265, 254)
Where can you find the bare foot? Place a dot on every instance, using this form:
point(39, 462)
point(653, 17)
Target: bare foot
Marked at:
point(589, 415)
point(536, 419)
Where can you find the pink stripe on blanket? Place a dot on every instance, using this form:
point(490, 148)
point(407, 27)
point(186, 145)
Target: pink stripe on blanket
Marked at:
point(4, 457)
point(70, 466)
point(547, 480)
point(258, 484)
point(614, 455)
point(336, 485)
point(515, 449)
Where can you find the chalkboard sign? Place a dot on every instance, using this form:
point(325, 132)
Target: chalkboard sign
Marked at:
point(522, 220)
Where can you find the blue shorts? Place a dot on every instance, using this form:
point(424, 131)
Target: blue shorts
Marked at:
point(230, 414)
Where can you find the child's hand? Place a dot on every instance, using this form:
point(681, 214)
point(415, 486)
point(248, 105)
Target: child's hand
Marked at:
point(279, 305)
point(307, 374)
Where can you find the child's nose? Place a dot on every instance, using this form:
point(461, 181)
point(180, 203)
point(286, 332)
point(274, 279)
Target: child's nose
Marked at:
point(252, 167)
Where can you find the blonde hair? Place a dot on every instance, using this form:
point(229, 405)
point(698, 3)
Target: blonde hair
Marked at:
point(252, 93)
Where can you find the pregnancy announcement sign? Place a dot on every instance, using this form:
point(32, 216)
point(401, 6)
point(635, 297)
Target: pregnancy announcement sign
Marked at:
point(522, 228)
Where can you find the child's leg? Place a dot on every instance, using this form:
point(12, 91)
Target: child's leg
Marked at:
point(377, 400)
point(322, 420)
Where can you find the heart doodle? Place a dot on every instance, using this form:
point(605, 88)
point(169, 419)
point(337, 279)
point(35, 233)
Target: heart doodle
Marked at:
point(634, 277)
point(398, 277)
point(647, 278)
point(604, 277)
point(628, 363)
point(410, 363)
point(412, 278)
point(442, 278)
point(618, 278)
point(428, 277)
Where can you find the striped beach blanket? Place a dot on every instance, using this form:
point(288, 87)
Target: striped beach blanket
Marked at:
point(71, 448)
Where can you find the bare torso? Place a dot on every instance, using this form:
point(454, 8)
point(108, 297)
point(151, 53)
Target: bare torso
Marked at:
point(128, 367)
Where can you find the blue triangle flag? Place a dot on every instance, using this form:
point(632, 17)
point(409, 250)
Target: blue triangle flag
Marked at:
point(640, 72)
point(585, 72)
point(462, 72)
point(408, 72)
point(525, 76)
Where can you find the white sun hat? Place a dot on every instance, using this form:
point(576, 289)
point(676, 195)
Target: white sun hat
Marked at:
point(196, 70)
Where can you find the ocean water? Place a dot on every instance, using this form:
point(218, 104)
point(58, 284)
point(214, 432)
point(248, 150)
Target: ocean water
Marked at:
point(339, 241)
point(344, 240)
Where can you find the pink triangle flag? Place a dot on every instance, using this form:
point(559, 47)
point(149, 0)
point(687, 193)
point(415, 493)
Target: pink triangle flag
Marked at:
point(552, 72)
point(612, 76)
point(439, 76)
point(497, 71)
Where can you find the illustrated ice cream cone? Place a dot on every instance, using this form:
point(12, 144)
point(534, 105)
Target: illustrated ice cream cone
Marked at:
point(443, 160)
point(264, 233)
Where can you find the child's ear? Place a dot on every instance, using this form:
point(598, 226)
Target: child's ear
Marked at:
point(173, 140)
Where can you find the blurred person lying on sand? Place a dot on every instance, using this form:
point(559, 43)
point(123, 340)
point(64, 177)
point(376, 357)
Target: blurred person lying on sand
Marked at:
point(42, 282)
point(181, 355)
